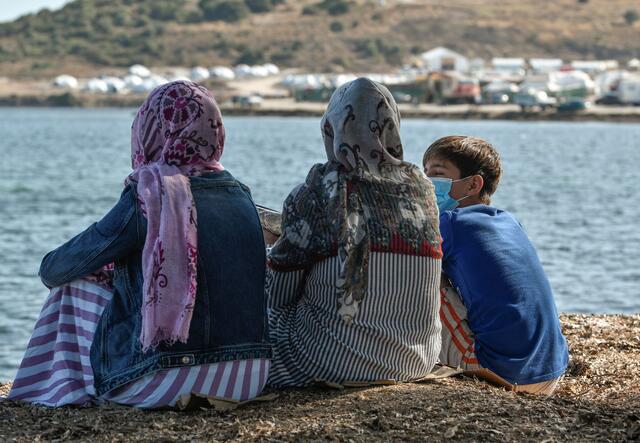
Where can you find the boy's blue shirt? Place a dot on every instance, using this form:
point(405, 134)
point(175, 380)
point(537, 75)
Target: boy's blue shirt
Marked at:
point(493, 265)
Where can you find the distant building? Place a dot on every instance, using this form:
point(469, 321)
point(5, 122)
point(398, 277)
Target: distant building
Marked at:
point(508, 64)
point(593, 67)
point(443, 59)
point(545, 65)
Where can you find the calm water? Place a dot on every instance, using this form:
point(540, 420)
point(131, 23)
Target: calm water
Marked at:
point(570, 184)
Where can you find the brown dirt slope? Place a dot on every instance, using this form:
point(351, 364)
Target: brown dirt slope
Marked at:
point(599, 400)
point(89, 35)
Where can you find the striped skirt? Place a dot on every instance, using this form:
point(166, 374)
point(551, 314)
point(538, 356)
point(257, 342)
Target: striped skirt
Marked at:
point(394, 336)
point(56, 368)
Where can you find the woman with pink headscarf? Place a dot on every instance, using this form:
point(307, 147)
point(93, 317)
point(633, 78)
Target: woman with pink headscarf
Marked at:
point(162, 298)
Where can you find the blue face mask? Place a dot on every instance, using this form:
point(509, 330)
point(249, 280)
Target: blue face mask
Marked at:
point(442, 187)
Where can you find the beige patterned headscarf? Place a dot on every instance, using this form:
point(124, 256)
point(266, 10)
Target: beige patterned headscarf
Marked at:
point(364, 199)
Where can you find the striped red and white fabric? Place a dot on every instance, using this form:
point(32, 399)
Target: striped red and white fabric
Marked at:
point(457, 348)
point(56, 368)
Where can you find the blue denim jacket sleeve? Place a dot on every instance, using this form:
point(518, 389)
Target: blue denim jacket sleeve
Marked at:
point(115, 236)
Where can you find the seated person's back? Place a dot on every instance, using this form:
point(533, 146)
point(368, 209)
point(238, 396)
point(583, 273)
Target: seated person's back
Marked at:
point(353, 280)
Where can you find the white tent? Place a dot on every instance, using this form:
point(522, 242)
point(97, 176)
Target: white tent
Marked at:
point(443, 59)
point(114, 84)
point(132, 81)
point(222, 72)
point(97, 85)
point(259, 71)
point(545, 65)
point(65, 81)
point(242, 70)
point(140, 71)
point(199, 73)
point(273, 69)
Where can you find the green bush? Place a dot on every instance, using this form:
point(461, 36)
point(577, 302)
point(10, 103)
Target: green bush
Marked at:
point(103, 24)
point(336, 7)
point(282, 57)
point(193, 16)
point(336, 27)
point(374, 48)
point(227, 11)
point(259, 6)
point(631, 16)
point(251, 56)
point(310, 10)
point(340, 61)
point(368, 48)
point(120, 18)
point(164, 10)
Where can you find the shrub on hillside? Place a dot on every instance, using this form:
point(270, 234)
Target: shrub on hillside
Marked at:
point(336, 26)
point(374, 48)
point(164, 10)
point(336, 7)
point(258, 6)
point(332, 7)
point(227, 11)
point(251, 56)
point(310, 10)
point(120, 18)
point(193, 16)
point(631, 16)
point(281, 57)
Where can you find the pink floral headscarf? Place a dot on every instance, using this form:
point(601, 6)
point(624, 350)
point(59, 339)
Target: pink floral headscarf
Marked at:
point(177, 133)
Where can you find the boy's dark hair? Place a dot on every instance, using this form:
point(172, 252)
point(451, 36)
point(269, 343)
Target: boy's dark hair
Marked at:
point(473, 156)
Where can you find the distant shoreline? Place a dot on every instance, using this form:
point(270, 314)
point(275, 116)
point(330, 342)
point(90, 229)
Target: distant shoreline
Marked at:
point(290, 108)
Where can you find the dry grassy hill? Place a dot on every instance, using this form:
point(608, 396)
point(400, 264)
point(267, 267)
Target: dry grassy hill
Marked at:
point(365, 35)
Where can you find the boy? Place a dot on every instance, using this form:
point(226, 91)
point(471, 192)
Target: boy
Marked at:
point(503, 326)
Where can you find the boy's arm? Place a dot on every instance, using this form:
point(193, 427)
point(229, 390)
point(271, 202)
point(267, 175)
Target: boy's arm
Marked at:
point(113, 237)
point(446, 232)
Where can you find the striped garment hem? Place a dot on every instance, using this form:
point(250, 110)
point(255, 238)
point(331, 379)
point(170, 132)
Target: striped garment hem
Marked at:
point(56, 368)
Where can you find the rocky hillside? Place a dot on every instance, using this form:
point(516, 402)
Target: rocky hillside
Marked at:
point(86, 36)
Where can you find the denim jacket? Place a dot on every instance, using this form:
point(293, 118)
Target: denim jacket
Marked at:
point(229, 321)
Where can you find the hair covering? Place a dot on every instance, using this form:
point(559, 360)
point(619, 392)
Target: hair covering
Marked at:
point(365, 198)
point(176, 133)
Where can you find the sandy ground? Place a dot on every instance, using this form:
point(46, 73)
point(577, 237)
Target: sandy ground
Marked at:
point(598, 400)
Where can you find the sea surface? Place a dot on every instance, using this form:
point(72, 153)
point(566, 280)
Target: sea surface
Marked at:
point(574, 187)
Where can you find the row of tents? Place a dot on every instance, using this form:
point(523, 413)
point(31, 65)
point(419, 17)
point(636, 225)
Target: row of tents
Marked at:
point(140, 79)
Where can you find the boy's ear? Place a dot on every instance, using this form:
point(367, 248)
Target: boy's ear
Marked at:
point(475, 185)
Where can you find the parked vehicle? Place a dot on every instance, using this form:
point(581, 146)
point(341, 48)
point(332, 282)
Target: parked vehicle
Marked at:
point(246, 101)
point(530, 98)
point(573, 104)
point(629, 90)
point(499, 92)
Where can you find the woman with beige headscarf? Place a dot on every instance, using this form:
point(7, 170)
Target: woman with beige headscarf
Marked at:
point(353, 281)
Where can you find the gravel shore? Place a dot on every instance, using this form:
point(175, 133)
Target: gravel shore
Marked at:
point(598, 400)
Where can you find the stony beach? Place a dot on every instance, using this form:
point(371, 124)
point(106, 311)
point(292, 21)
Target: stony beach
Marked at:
point(598, 400)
